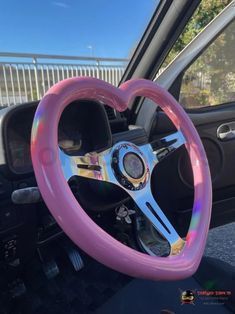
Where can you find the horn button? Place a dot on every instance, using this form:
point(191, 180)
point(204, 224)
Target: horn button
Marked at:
point(129, 166)
point(133, 165)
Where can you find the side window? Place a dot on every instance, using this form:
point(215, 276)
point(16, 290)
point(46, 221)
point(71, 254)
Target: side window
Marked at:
point(210, 79)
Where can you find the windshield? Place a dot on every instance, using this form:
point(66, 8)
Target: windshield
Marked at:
point(45, 41)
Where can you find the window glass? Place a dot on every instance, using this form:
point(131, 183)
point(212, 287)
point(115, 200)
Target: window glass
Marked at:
point(204, 14)
point(210, 80)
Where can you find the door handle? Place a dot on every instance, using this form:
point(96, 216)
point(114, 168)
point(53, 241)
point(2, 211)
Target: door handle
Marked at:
point(226, 131)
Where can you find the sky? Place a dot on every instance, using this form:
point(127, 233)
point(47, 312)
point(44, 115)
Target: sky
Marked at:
point(102, 28)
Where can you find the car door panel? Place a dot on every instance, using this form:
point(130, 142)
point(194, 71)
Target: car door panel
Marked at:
point(220, 154)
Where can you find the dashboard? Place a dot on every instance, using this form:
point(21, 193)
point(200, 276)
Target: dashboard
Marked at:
point(83, 128)
point(18, 130)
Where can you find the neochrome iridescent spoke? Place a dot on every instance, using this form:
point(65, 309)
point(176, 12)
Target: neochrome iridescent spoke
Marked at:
point(92, 165)
point(151, 210)
point(166, 145)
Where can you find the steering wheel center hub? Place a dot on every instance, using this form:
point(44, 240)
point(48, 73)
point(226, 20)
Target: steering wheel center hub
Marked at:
point(129, 166)
point(133, 165)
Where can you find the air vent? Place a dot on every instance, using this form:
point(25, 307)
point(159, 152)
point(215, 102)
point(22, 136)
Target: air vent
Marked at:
point(110, 112)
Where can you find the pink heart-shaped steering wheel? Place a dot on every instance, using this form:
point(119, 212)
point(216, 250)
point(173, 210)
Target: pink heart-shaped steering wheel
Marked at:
point(128, 166)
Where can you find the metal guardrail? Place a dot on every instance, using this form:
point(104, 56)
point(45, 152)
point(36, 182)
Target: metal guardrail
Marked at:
point(26, 77)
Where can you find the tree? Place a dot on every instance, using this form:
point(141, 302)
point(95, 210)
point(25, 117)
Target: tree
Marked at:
point(210, 79)
point(206, 11)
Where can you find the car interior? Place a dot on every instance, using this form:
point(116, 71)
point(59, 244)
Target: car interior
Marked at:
point(42, 267)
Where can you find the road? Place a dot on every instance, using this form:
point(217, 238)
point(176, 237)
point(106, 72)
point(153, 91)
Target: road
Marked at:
point(221, 243)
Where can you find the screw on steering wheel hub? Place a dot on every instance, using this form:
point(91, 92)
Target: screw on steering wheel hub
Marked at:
point(129, 166)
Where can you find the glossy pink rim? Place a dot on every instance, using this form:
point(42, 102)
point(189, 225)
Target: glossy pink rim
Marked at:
point(71, 216)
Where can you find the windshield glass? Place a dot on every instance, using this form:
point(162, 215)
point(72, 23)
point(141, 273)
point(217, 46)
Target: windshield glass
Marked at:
point(100, 35)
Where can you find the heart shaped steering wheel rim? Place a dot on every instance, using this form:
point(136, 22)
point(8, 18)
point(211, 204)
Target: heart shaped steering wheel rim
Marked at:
point(53, 168)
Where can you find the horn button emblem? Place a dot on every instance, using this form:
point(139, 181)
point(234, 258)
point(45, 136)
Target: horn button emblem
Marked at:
point(133, 165)
point(129, 166)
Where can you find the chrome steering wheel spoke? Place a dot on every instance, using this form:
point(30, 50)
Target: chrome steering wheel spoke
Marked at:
point(164, 146)
point(152, 211)
point(92, 165)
